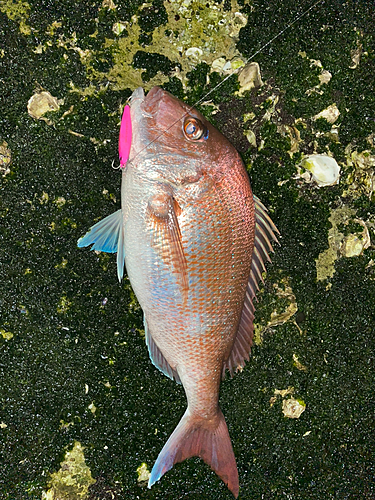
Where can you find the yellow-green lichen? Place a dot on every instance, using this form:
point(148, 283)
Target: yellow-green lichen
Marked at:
point(17, 10)
point(104, 260)
point(282, 313)
point(92, 408)
point(356, 54)
point(283, 291)
point(62, 265)
point(51, 29)
point(258, 334)
point(324, 77)
point(298, 364)
point(44, 198)
point(6, 335)
point(350, 245)
point(361, 179)
point(64, 305)
point(68, 223)
point(74, 478)
point(280, 392)
point(109, 196)
point(196, 31)
point(325, 264)
point(60, 201)
point(5, 159)
point(143, 473)
point(294, 136)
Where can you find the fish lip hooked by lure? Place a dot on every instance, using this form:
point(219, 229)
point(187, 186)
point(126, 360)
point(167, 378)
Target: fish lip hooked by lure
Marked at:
point(159, 119)
point(135, 104)
point(195, 241)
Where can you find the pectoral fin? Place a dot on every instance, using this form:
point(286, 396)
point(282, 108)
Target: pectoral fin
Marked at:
point(163, 210)
point(107, 235)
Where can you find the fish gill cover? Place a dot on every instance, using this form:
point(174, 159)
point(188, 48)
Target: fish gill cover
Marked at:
point(73, 363)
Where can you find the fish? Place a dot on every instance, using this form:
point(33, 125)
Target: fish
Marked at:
point(195, 241)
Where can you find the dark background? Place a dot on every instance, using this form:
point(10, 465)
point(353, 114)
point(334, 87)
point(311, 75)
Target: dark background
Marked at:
point(66, 322)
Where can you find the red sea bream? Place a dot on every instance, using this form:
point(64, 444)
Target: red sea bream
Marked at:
point(194, 240)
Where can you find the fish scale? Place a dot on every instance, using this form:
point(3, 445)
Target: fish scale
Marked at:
point(194, 240)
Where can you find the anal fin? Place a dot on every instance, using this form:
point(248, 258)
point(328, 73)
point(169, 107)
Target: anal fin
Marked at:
point(157, 356)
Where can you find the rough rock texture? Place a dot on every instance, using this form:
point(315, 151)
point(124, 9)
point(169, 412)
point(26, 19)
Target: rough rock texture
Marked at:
point(74, 366)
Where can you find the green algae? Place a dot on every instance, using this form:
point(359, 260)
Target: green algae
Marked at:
point(60, 364)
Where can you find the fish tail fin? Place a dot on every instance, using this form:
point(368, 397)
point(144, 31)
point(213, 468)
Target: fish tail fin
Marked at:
point(197, 437)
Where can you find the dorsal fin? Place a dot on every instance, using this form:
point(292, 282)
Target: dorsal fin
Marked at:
point(265, 231)
point(157, 356)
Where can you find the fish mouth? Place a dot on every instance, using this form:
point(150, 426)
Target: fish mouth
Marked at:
point(137, 95)
point(136, 101)
point(144, 110)
point(147, 104)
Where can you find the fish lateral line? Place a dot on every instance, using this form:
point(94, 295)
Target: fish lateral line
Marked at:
point(237, 71)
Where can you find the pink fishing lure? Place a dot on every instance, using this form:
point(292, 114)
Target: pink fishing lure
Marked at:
point(125, 138)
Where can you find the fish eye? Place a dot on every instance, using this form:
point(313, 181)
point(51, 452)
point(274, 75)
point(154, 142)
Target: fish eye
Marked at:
point(194, 129)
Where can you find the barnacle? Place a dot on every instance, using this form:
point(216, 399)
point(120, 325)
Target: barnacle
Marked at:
point(324, 169)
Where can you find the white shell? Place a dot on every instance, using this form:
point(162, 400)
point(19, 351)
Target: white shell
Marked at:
point(194, 53)
point(324, 169)
point(218, 64)
point(330, 114)
point(293, 408)
point(40, 103)
point(249, 77)
point(352, 246)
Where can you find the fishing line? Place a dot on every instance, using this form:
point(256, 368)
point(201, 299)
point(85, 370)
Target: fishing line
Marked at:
point(236, 71)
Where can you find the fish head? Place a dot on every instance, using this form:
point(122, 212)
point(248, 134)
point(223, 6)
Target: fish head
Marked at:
point(174, 142)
